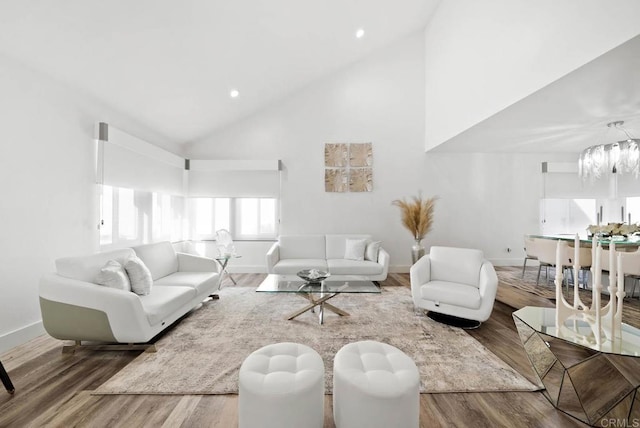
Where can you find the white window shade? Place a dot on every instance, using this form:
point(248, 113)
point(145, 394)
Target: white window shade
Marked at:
point(239, 179)
point(130, 162)
point(561, 181)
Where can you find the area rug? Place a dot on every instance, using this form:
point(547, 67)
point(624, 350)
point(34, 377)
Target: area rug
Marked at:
point(203, 353)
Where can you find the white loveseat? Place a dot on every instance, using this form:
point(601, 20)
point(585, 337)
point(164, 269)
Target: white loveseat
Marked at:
point(454, 281)
point(75, 308)
point(293, 253)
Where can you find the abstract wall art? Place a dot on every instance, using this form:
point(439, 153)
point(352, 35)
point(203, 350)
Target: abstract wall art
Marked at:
point(348, 167)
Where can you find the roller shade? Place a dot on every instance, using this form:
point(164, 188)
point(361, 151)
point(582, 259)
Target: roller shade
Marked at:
point(130, 162)
point(233, 178)
point(561, 181)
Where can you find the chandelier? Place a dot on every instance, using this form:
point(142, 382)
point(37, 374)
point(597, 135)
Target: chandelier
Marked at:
point(601, 160)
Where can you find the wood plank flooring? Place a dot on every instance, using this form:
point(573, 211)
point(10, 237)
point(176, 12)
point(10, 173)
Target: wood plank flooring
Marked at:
point(54, 389)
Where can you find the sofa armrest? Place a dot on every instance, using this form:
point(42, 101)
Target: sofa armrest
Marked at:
point(273, 256)
point(123, 309)
point(488, 285)
point(419, 274)
point(383, 259)
point(193, 263)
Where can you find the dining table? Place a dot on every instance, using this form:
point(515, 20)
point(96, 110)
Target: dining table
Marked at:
point(622, 243)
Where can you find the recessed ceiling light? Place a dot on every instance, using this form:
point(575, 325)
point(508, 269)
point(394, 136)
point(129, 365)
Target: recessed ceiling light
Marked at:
point(359, 33)
point(234, 93)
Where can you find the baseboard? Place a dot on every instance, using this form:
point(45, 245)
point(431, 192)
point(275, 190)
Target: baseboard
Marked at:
point(263, 269)
point(513, 262)
point(392, 269)
point(20, 336)
point(247, 269)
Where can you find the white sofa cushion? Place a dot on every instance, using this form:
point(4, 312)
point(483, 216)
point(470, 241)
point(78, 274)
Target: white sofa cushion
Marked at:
point(159, 257)
point(447, 265)
point(139, 276)
point(372, 250)
point(352, 267)
point(302, 247)
point(451, 293)
point(86, 268)
point(354, 249)
point(113, 275)
point(162, 302)
point(293, 266)
point(336, 245)
point(199, 281)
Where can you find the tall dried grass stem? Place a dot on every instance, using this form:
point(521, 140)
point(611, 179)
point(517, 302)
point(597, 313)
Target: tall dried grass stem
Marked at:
point(417, 215)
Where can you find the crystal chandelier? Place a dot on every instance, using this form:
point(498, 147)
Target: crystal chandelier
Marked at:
point(623, 157)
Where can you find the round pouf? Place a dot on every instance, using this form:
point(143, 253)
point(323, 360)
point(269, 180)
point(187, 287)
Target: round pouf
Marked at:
point(375, 385)
point(281, 385)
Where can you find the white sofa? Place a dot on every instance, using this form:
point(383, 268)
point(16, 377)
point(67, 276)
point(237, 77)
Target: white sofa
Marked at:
point(293, 253)
point(454, 281)
point(75, 308)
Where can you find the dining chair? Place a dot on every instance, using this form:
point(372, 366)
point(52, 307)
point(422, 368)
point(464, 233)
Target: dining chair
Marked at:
point(546, 249)
point(630, 266)
point(529, 251)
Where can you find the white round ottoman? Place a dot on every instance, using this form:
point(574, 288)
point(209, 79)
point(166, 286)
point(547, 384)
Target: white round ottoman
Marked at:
point(375, 385)
point(280, 386)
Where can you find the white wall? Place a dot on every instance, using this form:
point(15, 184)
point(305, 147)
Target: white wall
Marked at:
point(484, 56)
point(486, 200)
point(48, 203)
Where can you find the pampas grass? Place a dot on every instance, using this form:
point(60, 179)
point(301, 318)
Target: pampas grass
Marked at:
point(417, 215)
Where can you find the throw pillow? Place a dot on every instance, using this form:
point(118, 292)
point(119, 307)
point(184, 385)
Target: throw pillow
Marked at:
point(371, 253)
point(112, 275)
point(354, 249)
point(139, 275)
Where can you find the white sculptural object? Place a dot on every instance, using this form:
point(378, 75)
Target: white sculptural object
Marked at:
point(605, 320)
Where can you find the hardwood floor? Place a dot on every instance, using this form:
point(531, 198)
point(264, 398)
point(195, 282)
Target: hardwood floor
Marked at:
point(54, 389)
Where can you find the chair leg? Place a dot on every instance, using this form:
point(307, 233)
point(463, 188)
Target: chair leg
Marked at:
point(635, 283)
point(573, 280)
point(6, 381)
point(538, 279)
point(524, 266)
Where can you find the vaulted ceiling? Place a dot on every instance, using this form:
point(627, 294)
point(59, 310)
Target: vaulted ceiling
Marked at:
point(567, 115)
point(172, 64)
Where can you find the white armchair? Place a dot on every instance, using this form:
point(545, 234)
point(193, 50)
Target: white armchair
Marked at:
point(455, 281)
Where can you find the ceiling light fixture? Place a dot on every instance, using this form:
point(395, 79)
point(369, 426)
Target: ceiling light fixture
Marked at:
point(234, 93)
point(622, 157)
point(359, 33)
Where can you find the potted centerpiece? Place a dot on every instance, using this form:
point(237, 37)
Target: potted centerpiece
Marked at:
point(417, 218)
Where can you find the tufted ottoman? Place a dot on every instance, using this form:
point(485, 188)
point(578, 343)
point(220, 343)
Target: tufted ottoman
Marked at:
point(280, 386)
point(375, 385)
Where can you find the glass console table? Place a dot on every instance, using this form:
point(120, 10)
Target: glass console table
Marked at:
point(595, 384)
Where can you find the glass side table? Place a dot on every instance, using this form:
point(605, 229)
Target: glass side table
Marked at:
point(223, 261)
point(5, 380)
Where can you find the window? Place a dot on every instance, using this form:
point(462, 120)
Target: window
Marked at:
point(256, 218)
point(131, 217)
point(633, 209)
point(561, 216)
point(106, 210)
point(245, 218)
point(127, 216)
